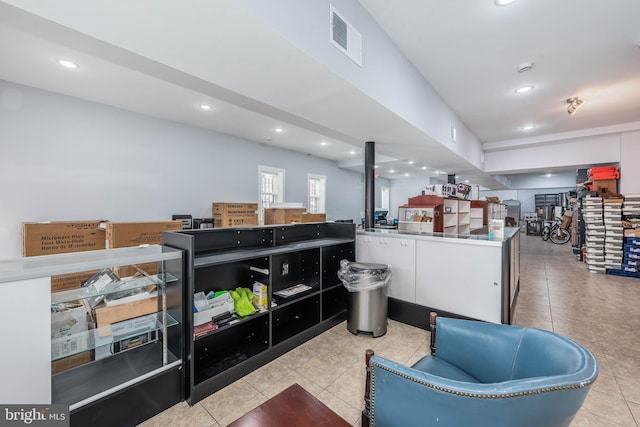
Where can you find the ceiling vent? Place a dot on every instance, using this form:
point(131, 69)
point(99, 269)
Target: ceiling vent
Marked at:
point(344, 36)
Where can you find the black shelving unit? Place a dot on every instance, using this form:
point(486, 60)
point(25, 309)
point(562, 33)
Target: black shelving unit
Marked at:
point(281, 257)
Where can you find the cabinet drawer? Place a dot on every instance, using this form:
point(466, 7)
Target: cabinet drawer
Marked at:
point(295, 318)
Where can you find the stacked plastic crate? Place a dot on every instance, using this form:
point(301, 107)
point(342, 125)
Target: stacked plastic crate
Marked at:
point(631, 257)
point(614, 233)
point(594, 234)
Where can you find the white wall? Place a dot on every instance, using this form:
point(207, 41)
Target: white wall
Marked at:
point(630, 163)
point(62, 158)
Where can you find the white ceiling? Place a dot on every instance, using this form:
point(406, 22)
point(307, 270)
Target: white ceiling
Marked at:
point(164, 59)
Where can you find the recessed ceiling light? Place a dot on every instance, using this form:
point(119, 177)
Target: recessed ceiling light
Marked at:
point(392, 171)
point(67, 64)
point(457, 177)
point(205, 107)
point(279, 130)
point(466, 180)
point(323, 143)
point(548, 175)
point(411, 162)
point(424, 168)
point(528, 127)
point(504, 2)
point(376, 167)
point(352, 152)
point(524, 89)
point(406, 174)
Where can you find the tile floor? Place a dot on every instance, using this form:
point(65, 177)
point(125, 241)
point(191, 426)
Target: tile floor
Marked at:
point(556, 293)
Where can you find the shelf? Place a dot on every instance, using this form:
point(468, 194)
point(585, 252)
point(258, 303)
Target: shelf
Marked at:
point(337, 284)
point(97, 378)
point(292, 319)
point(50, 265)
point(244, 254)
point(284, 302)
point(230, 347)
point(70, 345)
point(237, 321)
point(111, 288)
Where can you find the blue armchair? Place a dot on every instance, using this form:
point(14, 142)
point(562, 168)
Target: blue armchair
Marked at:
point(481, 374)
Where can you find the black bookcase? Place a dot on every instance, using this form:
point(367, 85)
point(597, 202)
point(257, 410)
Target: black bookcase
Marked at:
point(279, 256)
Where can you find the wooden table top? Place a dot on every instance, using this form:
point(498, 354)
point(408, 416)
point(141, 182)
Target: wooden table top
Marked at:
point(293, 407)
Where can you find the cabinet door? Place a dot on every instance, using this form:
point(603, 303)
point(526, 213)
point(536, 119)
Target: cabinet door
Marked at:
point(463, 279)
point(397, 253)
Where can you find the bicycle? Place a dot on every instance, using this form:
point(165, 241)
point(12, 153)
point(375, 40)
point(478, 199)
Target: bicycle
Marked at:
point(556, 233)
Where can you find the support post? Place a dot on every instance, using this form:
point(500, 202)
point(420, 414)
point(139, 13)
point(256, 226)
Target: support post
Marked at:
point(366, 412)
point(369, 184)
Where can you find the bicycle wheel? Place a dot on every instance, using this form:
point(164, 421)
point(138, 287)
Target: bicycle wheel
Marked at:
point(546, 231)
point(560, 236)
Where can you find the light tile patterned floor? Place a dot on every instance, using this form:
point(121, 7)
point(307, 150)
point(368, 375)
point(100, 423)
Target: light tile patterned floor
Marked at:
point(556, 293)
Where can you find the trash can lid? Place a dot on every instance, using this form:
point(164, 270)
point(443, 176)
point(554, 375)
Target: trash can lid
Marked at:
point(359, 266)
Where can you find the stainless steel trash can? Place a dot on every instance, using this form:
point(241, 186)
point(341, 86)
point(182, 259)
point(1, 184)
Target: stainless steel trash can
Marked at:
point(367, 299)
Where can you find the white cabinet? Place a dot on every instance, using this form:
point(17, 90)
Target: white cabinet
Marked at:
point(451, 216)
point(464, 217)
point(477, 218)
point(399, 254)
point(463, 278)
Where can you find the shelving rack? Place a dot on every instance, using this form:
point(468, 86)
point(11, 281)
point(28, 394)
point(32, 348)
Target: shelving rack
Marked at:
point(282, 256)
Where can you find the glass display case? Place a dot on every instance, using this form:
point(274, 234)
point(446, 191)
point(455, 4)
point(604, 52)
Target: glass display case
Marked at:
point(114, 336)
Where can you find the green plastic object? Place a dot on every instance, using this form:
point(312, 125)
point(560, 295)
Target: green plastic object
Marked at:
point(242, 298)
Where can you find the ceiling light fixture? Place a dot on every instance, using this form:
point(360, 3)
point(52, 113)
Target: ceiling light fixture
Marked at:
point(411, 162)
point(504, 2)
point(424, 168)
point(466, 180)
point(352, 152)
point(323, 143)
point(279, 130)
point(392, 171)
point(524, 89)
point(205, 107)
point(528, 127)
point(525, 66)
point(574, 104)
point(406, 174)
point(67, 64)
point(548, 175)
point(376, 167)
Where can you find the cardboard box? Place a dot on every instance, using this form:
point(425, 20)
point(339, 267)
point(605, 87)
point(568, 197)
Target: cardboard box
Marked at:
point(632, 232)
point(105, 315)
point(71, 324)
point(282, 215)
point(606, 186)
point(309, 217)
point(126, 234)
point(47, 238)
point(70, 362)
point(234, 214)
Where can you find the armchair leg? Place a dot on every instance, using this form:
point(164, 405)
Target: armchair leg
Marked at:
point(366, 412)
point(432, 326)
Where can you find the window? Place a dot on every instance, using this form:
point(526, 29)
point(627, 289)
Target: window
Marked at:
point(270, 187)
point(384, 198)
point(317, 185)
